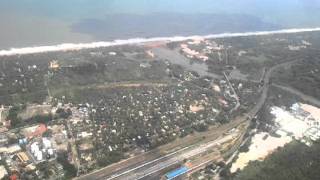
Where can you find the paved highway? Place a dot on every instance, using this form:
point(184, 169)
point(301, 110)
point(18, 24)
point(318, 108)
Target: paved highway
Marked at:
point(307, 98)
point(265, 88)
point(136, 168)
point(144, 169)
point(152, 167)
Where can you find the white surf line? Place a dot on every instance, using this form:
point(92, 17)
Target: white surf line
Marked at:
point(80, 46)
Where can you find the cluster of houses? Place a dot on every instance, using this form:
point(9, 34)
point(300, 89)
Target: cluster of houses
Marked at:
point(140, 118)
point(22, 152)
point(82, 129)
point(41, 149)
point(21, 77)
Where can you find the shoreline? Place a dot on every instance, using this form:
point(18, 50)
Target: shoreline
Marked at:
point(102, 44)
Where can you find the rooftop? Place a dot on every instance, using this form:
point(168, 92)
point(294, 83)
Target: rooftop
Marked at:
point(177, 172)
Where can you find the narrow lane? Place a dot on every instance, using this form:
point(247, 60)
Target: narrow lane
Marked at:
point(303, 96)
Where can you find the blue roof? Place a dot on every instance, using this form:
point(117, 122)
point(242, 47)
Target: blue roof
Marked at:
point(176, 172)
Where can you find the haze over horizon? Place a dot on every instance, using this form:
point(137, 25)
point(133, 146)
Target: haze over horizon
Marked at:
point(35, 22)
point(160, 89)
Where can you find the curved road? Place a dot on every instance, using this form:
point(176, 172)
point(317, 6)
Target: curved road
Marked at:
point(303, 96)
point(150, 166)
point(265, 88)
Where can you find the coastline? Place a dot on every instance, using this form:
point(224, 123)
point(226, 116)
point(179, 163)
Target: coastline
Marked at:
point(80, 46)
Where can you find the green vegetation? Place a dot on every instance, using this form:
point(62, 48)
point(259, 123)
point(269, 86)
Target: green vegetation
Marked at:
point(108, 158)
point(22, 79)
point(303, 76)
point(13, 116)
point(62, 113)
point(70, 170)
point(126, 100)
point(39, 119)
point(17, 121)
point(295, 161)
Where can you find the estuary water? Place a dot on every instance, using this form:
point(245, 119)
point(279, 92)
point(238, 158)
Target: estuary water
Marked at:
point(26, 23)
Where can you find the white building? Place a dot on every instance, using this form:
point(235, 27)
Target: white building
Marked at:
point(3, 172)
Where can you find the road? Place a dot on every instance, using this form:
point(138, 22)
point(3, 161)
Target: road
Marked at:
point(148, 167)
point(235, 95)
point(155, 156)
point(144, 170)
point(73, 146)
point(265, 88)
point(303, 96)
point(1, 110)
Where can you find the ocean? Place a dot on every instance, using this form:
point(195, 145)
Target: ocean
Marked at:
point(27, 23)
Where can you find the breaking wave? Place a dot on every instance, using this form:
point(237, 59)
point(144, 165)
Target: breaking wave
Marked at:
point(80, 46)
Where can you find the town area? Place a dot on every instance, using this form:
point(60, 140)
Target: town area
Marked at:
point(196, 109)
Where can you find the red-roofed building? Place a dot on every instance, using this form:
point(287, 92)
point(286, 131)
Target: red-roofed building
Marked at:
point(13, 177)
point(42, 128)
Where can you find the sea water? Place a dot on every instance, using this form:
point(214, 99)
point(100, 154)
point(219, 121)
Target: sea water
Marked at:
point(27, 23)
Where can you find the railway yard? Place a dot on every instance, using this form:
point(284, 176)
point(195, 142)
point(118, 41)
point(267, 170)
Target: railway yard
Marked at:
point(157, 110)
